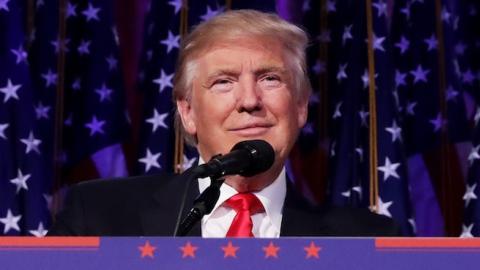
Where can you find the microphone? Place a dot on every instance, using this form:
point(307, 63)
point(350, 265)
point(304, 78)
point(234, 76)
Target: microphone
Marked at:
point(247, 158)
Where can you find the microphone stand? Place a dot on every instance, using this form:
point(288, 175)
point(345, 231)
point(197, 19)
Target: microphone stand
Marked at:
point(203, 205)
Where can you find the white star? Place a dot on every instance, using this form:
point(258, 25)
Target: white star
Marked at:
point(324, 36)
point(164, 81)
point(319, 67)
point(432, 42)
point(308, 128)
point(389, 169)
point(476, 118)
point(76, 85)
point(187, 163)
point(210, 13)
point(460, 48)
point(95, 126)
point(4, 5)
point(366, 78)
point(331, 6)
point(177, 4)
point(10, 91)
point(420, 74)
point(306, 6)
point(60, 45)
point(468, 77)
point(395, 131)
point(40, 231)
point(332, 149)
point(358, 189)
point(363, 117)
point(150, 160)
point(378, 43)
point(315, 98)
point(50, 78)
point(445, 15)
point(403, 44)
point(31, 143)
point(112, 62)
point(469, 194)
point(413, 224)
point(42, 111)
point(438, 123)
point(171, 41)
point(91, 13)
point(21, 55)
point(48, 201)
point(400, 78)
point(104, 92)
point(71, 10)
point(406, 11)
point(20, 181)
point(342, 74)
point(467, 231)
point(10, 222)
point(346, 193)
point(451, 93)
point(83, 48)
point(2, 130)
point(359, 151)
point(383, 207)
point(474, 155)
point(157, 120)
point(115, 35)
point(411, 107)
point(337, 113)
point(347, 34)
point(381, 8)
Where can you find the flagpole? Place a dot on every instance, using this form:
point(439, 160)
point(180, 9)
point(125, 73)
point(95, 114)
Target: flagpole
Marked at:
point(445, 176)
point(373, 112)
point(179, 140)
point(59, 107)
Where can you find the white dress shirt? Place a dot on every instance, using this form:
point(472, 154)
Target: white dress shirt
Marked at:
point(266, 224)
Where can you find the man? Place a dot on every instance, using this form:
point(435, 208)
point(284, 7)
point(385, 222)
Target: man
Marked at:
point(240, 76)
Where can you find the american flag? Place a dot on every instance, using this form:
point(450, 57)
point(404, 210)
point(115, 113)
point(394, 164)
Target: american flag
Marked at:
point(24, 173)
point(467, 50)
point(416, 164)
point(92, 118)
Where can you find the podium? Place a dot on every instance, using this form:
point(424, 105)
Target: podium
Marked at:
point(158, 253)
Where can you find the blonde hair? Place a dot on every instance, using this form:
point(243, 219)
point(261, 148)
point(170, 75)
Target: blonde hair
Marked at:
point(235, 24)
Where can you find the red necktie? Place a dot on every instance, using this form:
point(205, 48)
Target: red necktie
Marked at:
point(245, 204)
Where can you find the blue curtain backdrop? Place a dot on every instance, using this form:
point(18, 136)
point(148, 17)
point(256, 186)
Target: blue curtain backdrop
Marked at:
point(85, 92)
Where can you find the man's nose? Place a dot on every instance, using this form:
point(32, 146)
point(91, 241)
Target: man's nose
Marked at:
point(249, 96)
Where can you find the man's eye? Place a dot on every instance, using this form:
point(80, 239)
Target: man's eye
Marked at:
point(270, 81)
point(222, 85)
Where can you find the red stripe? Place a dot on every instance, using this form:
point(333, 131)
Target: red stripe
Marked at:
point(60, 242)
point(427, 243)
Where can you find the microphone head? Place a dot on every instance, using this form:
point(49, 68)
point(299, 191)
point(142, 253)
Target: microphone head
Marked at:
point(261, 155)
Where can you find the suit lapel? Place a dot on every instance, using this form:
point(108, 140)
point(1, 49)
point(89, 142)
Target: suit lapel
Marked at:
point(161, 211)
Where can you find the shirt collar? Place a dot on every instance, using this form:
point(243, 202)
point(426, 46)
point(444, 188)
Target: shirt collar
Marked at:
point(272, 196)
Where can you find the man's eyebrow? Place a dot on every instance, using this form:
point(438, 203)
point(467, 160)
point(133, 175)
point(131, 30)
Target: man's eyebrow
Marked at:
point(267, 69)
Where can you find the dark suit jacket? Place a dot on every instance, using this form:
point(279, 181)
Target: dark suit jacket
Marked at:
point(149, 205)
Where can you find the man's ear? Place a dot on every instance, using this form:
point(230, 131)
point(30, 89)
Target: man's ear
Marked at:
point(187, 116)
point(302, 108)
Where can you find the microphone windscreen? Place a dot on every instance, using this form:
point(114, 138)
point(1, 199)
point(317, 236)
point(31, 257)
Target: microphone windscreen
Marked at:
point(261, 154)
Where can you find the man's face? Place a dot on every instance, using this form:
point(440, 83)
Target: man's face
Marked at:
point(242, 90)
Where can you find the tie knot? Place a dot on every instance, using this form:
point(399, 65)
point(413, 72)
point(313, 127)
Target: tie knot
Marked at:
point(245, 202)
